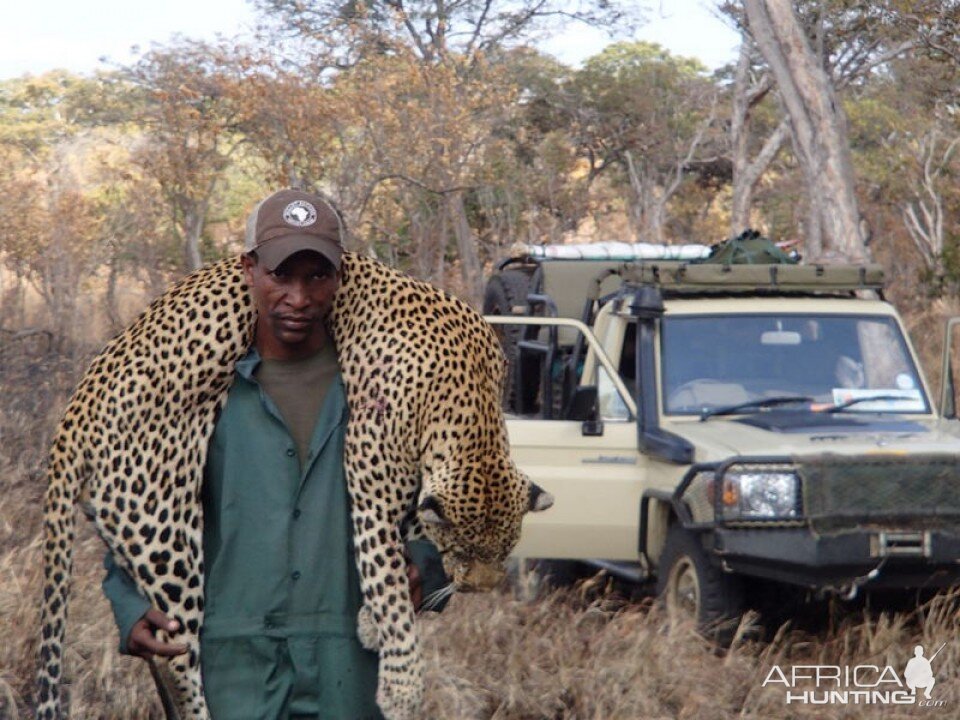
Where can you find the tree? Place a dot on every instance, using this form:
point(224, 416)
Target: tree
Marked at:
point(184, 100)
point(58, 146)
point(287, 116)
point(50, 223)
point(851, 41)
point(37, 113)
point(648, 114)
point(448, 53)
point(750, 89)
point(532, 186)
point(419, 133)
point(435, 29)
point(924, 213)
point(817, 123)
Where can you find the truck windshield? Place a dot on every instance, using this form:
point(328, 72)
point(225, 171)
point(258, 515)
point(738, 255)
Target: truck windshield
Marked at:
point(718, 361)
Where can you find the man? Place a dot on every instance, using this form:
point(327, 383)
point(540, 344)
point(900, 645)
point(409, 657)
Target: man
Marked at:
point(281, 587)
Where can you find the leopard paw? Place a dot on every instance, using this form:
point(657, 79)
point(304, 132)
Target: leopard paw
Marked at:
point(367, 630)
point(399, 694)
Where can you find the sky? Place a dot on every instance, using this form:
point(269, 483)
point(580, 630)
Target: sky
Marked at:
point(75, 34)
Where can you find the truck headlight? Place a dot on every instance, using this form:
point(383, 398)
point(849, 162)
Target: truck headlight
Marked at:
point(753, 494)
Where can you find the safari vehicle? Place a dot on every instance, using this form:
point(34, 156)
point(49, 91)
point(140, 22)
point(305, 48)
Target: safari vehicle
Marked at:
point(710, 425)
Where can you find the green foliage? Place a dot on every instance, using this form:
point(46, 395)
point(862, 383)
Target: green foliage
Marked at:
point(629, 62)
point(38, 112)
point(877, 133)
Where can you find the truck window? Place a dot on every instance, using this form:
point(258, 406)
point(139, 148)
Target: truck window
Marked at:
point(545, 369)
point(714, 361)
point(612, 406)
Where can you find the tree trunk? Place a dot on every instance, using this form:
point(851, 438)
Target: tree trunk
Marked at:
point(470, 269)
point(643, 210)
point(110, 298)
point(62, 301)
point(817, 123)
point(194, 216)
point(11, 301)
point(440, 266)
point(747, 173)
point(746, 177)
point(739, 116)
point(813, 231)
point(428, 231)
point(923, 214)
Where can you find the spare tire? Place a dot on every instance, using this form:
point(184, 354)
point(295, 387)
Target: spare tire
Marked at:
point(506, 294)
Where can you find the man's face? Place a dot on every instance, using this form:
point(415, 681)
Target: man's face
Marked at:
point(292, 302)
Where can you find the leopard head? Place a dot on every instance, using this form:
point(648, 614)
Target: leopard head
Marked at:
point(473, 515)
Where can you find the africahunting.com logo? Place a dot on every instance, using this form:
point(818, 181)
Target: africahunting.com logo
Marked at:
point(859, 684)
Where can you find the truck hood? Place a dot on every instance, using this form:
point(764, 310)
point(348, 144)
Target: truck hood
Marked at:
point(799, 433)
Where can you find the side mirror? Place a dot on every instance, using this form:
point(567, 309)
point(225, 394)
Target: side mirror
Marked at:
point(583, 403)
point(583, 407)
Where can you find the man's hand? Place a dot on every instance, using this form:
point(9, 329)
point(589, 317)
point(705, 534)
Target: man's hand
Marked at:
point(416, 583)
point(143, 642)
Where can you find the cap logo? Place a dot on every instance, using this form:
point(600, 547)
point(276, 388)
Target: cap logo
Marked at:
point(300, 213)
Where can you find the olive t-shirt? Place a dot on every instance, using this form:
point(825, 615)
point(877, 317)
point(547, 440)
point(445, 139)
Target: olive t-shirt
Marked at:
point(298, 388)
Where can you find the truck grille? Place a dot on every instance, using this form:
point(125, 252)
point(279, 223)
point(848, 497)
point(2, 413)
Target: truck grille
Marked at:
point(906, 492)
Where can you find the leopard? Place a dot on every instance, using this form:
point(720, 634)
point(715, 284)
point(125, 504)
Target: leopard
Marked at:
point(426, 454)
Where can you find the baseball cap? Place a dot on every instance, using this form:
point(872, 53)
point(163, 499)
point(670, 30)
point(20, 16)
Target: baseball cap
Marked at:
point(290, 221)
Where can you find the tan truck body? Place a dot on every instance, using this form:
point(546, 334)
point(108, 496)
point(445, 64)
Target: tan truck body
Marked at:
point(599, 481)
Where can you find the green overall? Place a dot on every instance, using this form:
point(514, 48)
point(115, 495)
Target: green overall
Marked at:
point(281, 586)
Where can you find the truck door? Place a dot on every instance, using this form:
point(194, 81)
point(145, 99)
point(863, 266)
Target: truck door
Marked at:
point(951, 361)
point(572, 425)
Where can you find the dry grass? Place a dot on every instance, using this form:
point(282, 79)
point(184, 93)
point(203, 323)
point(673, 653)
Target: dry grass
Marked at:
point(492, 656)
point(496, 657)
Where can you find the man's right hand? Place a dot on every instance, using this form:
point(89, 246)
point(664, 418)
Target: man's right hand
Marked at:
point(143, 642)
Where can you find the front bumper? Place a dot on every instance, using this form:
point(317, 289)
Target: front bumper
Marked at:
point(887, 522)
point(798, 557)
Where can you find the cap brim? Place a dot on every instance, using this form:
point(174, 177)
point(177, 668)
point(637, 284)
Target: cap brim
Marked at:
point(273, 252)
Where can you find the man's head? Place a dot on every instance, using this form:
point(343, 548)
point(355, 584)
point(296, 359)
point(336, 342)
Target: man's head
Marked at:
point(290, 221)
point(294, 245)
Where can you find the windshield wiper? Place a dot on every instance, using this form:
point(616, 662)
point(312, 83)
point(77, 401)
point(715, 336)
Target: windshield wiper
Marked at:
point(857, 401)
point(755, 405)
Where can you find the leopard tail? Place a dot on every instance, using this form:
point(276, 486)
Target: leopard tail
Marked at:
point(65, 478)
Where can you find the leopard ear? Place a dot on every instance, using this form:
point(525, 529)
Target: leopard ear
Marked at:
point(540, 499)
point(431, 511)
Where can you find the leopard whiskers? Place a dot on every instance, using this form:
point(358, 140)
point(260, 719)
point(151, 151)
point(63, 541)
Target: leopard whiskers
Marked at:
point(435, 598)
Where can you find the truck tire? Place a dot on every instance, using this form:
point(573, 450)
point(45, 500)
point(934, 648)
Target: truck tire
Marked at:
point(505, 291)
point(691, 586)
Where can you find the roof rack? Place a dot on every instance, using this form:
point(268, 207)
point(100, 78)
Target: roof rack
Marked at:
point(573, 274)
point(700, 277)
